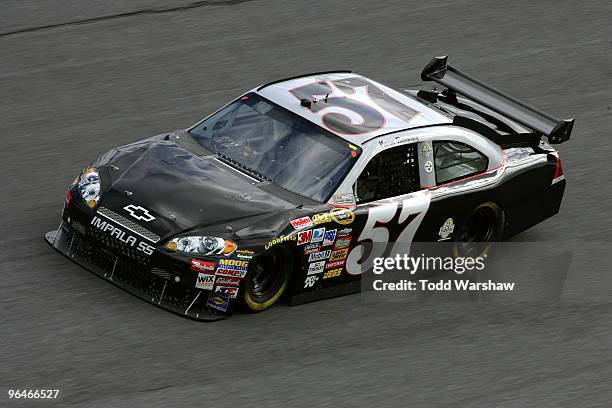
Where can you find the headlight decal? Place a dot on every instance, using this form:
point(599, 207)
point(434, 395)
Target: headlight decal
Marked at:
point(202, 245)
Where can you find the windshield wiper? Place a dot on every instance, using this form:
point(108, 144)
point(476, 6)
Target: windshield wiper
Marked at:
point(239, 166)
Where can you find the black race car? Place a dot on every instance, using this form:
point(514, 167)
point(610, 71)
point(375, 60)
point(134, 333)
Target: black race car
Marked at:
point(281, 191)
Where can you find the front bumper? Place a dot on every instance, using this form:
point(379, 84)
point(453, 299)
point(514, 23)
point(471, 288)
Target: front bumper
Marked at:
point(135, 275)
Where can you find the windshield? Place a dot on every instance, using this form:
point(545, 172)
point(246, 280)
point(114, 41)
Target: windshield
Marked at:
point(277, 145)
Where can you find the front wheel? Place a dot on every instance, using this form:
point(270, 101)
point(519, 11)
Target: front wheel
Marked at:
point(267, 280)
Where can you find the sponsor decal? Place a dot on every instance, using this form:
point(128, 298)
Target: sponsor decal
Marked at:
point(334, 264)
point(227, 281)
point(343, 243)
point(122, 236)
point(300, 223)
point(344, 199)
point(316, 267)
point(231, 272)
point(311, 249)
point(398, 141)
point(245, 254)
point(332, 273)
point(233, 264)
point(338, 255)
point(341, 216)
point(426, 149)
point(317, 235)
point(428, 166)
point(310, 281)
point(330, 236)
point(279, 240)
point(202, 266)
point(304, 237)
point(205, 281)
point(317, 256)
point(218, 302)
point(139, 213)
point(227, 291)
point(344, 232)
point(446, 229)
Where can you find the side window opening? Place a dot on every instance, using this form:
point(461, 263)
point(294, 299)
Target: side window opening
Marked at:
point(455, 160)
point(390, 173)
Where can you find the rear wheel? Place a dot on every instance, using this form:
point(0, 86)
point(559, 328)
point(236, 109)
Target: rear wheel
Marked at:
point(267, 279)
point(484, 225)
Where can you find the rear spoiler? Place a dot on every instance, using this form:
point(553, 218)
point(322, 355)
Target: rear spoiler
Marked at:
point(556, 130)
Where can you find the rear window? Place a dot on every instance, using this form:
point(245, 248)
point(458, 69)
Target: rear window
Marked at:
point(455, 161)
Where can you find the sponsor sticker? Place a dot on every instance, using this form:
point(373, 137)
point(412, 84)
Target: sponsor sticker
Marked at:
point(330, 236)
point(338, 255)
point(310, 281)
point(446, 229)
point(218, 302)
point(202, 266)
point(344, 199)
point(332, 273)
point(317, 235)
point(399, 140)
point(428, 166)
point(227, 291)
point(334, 264)
point(245, 254)
point(344, 232)
point(311, 248)
point(342, 243)
point(205, 281)
point(233, 264)
point(304, 237)
point(302, 222)
point(227, 281)
point(317, 256)
point(316, 267)
point(231, 272)
point(341, 216)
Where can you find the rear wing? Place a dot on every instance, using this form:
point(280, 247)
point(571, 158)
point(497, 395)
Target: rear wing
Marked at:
point(556, 130)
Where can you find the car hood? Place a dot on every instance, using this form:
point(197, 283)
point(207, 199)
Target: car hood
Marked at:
point(167, 189)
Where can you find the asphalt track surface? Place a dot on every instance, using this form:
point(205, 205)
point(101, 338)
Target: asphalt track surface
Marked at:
point(77, 79)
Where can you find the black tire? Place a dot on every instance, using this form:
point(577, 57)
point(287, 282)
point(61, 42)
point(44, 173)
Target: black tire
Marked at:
point(267, 279)
point(484, 226)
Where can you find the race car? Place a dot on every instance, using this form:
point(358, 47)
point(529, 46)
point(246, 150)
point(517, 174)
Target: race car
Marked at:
point(282, 191)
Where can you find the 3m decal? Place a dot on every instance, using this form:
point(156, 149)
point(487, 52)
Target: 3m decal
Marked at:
point(304, 237)
point(205, 281)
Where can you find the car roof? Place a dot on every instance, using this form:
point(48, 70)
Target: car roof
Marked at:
point(351, 96)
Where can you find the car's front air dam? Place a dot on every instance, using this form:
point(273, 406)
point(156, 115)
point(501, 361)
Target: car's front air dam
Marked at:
point(160, 293)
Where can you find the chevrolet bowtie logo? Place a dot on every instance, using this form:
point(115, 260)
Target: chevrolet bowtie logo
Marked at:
point(138, 212)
